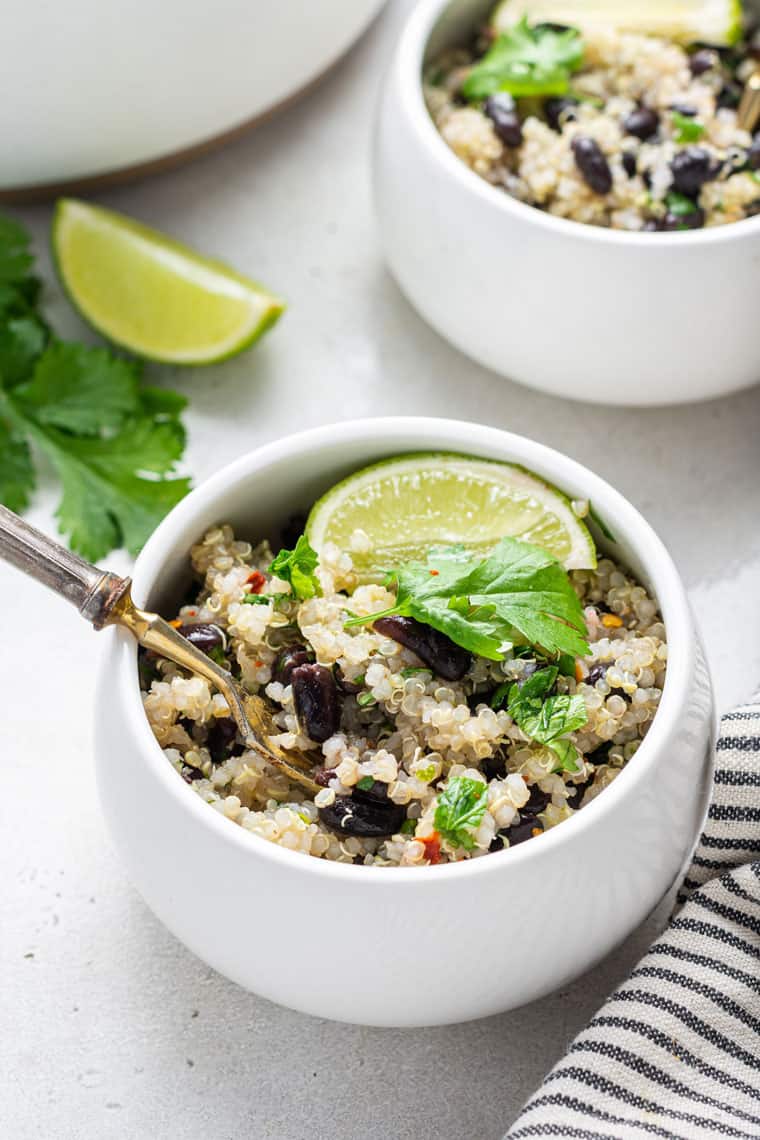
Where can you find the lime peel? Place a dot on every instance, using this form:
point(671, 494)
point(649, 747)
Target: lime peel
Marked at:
point(153, 295)
point(404, 506)
point(716, 22)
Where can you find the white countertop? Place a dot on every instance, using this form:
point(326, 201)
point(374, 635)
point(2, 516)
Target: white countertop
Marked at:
point(109, 1028)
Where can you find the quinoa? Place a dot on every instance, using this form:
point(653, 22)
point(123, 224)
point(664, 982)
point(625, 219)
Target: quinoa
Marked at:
point(402, 730)
point(685, 165)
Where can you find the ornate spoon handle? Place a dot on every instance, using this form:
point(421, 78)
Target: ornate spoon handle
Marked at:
point(105, 599)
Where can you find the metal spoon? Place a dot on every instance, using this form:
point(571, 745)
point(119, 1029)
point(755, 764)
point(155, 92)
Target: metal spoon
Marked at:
point(105, 599)
point(748, 111)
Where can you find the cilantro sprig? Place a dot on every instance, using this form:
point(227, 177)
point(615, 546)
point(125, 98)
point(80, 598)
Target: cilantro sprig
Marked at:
point(547, 719)
point(112, 441)
point(460, 809)
point(518, 593)
point(297, 567)
point(686, 128)
point(527, 60)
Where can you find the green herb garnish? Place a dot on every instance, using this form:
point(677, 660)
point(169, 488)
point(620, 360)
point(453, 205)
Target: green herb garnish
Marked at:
point(259, 599)
point(111, 441)
point(297, 567)
point(408, 827)
point(548, 719)
point(679, 205)
point(365, 783)
point(413, 670)
point(426, 774)
point(527, 61)
point(366, 700)
point(519, 592)
point(687, 130)
point(461, 806)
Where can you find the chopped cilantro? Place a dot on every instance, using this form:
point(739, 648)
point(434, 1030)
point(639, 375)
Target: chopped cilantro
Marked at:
point(527, 61)
point(297, 567)
point(461, 806)
point(426, 774)
point(365, 700)
point(679, 204)
point(413, 670)
point(258, 599)
point(365, 783)
point(686, 129)
point(408, 827)
point(112, 442)
point(548, 719)
point(519, 592)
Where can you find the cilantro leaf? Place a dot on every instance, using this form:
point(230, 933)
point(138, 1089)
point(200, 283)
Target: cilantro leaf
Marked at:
point(519, 592)
point(548, 719)
point(297, 567)
point(16, 469)
point(687, 129)
point(460, 809)
point(527, 61)
point(112, 442)
point(83, 390)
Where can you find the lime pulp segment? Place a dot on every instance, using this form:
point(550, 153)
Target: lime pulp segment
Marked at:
point(396, 511)
point(717, 22)
point(153, 295)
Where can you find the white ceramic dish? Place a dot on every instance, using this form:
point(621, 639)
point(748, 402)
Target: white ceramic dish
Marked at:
point(88, 89)
point(576, 310)
point(416, 946)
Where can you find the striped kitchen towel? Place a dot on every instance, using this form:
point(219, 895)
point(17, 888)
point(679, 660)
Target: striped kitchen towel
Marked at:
point(675, 1051)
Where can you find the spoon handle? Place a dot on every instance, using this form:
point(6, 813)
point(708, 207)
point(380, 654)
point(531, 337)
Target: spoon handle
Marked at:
point(93, 591)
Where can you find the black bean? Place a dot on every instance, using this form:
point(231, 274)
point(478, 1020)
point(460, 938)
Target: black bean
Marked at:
point(350, 816)
point(315, 696)
point(730, 95)
point(502, 112)
point(559, 111)
point(702, 61)
point(642, 122)
point(293, 529)
point(376, 792)
point(289, 659)
point(221, 736)
point(685, 109)
point(322, 776)
point(596, 672)
point(592, 164)
point(693, 221)
point(202, 635)
point(629, 163)
point(523, 830)
point(753, 154)
point(497, 844)
point(495, 767)
point(437, 650)
point(190, 775)
point(344, 685)
point(536, 802)
point(691, 168)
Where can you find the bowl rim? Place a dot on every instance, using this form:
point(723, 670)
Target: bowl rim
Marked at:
point(407, 72)
point(408, 433)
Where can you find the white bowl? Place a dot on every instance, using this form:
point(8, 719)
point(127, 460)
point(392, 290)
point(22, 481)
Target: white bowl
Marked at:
point(411, 946)
point(126, 83)
point(576, 310)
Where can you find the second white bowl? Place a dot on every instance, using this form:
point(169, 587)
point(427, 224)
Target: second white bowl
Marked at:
point(576, 310)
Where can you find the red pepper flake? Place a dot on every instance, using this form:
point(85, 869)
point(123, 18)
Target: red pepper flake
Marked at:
point(433, 847)
point(256, 581)
point(434, 573)
point(258, 664)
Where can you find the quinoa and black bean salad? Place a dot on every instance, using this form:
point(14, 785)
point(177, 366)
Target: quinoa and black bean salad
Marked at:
point(459, 704)
point(607, 127)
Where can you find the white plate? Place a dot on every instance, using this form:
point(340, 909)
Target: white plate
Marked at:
point(87, 89)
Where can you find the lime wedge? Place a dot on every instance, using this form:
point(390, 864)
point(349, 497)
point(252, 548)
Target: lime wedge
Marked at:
point(717, 22)
point(395, 511)
point(152, 295)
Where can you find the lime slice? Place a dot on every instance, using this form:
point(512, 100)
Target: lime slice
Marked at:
point(717, 22)
point(395, 511)
point(152, 295)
